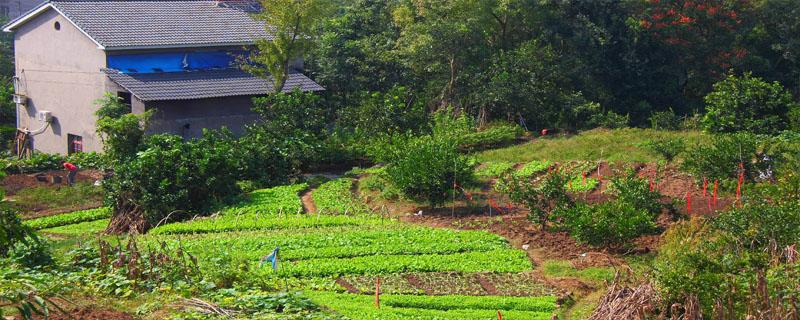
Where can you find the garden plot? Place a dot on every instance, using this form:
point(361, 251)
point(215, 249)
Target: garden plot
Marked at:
point(317, 248)
point(69, 218)
point(436, 307)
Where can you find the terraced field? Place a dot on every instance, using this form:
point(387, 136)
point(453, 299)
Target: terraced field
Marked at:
point(344, 248)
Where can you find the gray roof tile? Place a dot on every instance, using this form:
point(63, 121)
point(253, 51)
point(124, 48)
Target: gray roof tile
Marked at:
point(159, 23)
point(203, 84)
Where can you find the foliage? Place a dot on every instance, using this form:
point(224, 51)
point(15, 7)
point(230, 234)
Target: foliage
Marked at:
point(31, 252)
point(490, 137)
point(69, 218)
point(426, 168)
point(578, 184)
point(533, 167)
point(665, 120)
point(293, 26)
point(560, 268)
point(749, 104)
point(610, 120)
point(494, 169)
point(21, 290)
point(272, 201)
point(39, 162)
point(122, 132)
point(202, 173)
point(374, 113)
point(635, 190)
point(667, 148)
point(721, 157)
point(12, 230)
point(608, 223)
point(256, 222)
point(290, 123)
point(759, 226)
point(542, 198)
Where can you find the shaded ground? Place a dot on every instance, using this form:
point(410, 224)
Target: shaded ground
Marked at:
point(47, 193)
point(12, 184)
point(87, 313)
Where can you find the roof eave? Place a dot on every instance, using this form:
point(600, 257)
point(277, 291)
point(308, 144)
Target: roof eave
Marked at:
point(178, 45)
point(11, 26)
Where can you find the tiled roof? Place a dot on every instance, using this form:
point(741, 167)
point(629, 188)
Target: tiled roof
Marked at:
point(203, 84)
point(121, 24)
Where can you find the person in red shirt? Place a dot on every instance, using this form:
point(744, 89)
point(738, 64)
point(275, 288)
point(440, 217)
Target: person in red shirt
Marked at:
point(72, 170)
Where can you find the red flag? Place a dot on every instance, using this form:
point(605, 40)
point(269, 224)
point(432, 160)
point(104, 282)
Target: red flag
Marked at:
point(689, 202)
point(705, 186)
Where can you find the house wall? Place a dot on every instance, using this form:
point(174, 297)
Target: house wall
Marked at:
point(188, 118)
point(59, 71)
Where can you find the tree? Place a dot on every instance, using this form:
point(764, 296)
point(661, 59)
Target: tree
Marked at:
point(122, 132)
point(440, 39)
point(748, 103)
point(293, 25)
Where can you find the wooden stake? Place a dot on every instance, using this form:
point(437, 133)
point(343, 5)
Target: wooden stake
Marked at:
point(705, 186)
point(378, 293)
point(716, 185)
point(499, 315)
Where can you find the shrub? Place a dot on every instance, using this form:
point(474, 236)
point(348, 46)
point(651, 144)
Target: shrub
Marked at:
point(721, 157)
point(668, 148)
point(427, 167)
point(202, 173)
point(610, 120)
point(749, 104)
point(12, 230)
point(757, 226)
point(376, 113)
point(609, 223)
point(36, 163)
point(490, 137)
point(635, 190)
point(122, 132)
point(665, 120)
point(31, 252)
point(541, 199)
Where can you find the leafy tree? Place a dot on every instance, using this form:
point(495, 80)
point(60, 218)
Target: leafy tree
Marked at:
point(395, 111)
point(122, 132)
point(293, 25)
point(542, 199)
point(440, 39)
point(748, 103)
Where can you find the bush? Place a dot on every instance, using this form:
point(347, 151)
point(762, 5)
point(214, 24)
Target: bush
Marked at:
point(122, 132)
point(665, 120)
point(541, 199)
point(36, 163)
point(31, 252)
point(721, 157)
point(758, 226)
point(12, 230)
point(610, 120)
point(201, 173)
point(491, 137)
point(636, 191)
point(668, 148)
point(609, 223)
point(749, 104)
point(425, 168)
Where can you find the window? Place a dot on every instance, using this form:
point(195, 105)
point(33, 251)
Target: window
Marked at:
point(126, 99)
point(57, 25)
point(74, 144)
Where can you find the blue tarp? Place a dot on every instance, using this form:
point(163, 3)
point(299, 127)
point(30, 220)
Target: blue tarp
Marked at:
point(172, 61)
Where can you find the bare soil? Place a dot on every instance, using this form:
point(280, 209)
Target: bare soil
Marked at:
point(16, 182)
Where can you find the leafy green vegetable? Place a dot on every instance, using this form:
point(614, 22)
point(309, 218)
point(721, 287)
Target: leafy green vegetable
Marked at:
point(69, 218)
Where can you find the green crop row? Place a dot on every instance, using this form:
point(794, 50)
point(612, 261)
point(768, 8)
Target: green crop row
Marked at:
point(83, 228)
point(335, 197)
point(533, 167)
point(576, 184)
point(490, 137)
point(344, 242)
point(363, 307)
point(503, 260)
point(277, 200)
point(541, 304)
point(69, 218)
point(226, 223)
point(494, 169)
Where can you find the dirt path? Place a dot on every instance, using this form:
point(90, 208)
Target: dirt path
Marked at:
point(308, 202)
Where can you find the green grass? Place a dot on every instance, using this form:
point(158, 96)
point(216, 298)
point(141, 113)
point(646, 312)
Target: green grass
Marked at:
point(494, 169)
point(560, 269)
point(277, 200)
point(60, 197)
point(436, 307)
point(620, 145)
point(69, 218)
